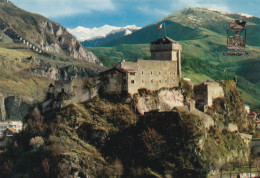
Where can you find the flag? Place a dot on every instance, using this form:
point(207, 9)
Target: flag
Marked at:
point(161, 25)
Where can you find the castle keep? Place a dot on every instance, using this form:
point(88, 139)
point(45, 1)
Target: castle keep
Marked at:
point(164, 70)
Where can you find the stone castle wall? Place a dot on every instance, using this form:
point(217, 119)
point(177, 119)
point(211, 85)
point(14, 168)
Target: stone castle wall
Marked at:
point(78, 89)
point(152, 75)
point(214, 91)
point(165, 51)
point(206, 92)
point(115, 82)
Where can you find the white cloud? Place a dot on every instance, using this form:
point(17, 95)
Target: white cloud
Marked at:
point(57, 8)
point(162, 8)
point(153, 11)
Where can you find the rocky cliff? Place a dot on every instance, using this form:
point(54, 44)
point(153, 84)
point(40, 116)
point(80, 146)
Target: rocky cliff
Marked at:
point(13, 108)
point(45, 34)
point(112, 139)
point(34, 52)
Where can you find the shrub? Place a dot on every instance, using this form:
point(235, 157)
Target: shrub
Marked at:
point(7, 167)
point(153, 141)
point(36, 142)
point(118, 167)
point(45, 165)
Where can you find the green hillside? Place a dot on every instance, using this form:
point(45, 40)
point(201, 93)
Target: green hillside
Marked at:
point(26, 73)
point(202, 33)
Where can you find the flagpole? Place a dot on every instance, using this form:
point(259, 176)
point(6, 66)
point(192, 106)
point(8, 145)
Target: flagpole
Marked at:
point(164, 29)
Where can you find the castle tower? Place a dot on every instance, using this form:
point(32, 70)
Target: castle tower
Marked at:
point(167, 49)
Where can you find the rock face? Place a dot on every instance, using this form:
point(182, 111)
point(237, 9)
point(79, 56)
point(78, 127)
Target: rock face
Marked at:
point(58, 39)
point(43, 33)
point(13, 108)
point(67, 72)
point(2, 108)
point(165, 100)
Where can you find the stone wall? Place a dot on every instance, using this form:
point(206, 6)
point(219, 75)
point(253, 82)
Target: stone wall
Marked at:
point(215, 90)
point(78, 90)
point(114, 82)
point(206, 92)
point(152, 75)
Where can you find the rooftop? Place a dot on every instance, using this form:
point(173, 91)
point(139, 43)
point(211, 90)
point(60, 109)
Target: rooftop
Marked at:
point(164, 40)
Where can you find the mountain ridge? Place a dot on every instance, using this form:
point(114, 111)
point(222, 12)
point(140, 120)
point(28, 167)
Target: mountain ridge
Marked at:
point(48, 35)
point(83, 33)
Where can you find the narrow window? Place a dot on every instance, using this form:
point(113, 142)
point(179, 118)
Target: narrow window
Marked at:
point(132, 81)
point(159, 72)
point(151, 81)
point(142, 72)
point(142, 81)
point(151, 72)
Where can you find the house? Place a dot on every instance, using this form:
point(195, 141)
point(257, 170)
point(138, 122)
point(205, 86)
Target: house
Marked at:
point(9, 132)
point(16, 125)
point(3, 126)
point(257, 124)
point(162, 71)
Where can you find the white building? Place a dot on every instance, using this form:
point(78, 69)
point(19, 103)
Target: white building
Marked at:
point(17, 125)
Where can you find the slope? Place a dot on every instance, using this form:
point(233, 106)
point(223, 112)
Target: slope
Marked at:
point(34, 51)
point(44, 33)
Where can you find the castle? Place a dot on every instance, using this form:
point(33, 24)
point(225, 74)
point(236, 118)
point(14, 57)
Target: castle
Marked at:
point(163, 71)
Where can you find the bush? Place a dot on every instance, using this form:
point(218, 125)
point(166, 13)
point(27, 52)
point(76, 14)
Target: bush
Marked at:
point(153, 142)
point(36, 142)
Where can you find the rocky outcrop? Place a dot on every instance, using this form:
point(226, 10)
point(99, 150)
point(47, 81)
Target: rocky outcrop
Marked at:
point(57, 39)
point(165, 100)
point(2, 108)
point(13, 108)
point(67, 72)
point(42, 33)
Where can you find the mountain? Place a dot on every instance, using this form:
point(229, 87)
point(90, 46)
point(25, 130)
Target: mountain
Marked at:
point(44, 33)
point(91, 37)
point(35, 51)
point(202, 33)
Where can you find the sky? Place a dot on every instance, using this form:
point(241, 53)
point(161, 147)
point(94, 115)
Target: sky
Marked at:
point(96, 13)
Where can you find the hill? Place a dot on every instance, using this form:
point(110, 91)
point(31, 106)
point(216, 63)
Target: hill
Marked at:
point(100, 138)
point(202, 33)
point(35, 51)
point(41, 32)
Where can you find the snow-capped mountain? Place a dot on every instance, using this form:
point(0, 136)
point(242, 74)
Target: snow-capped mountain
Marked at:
point(83, 34)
